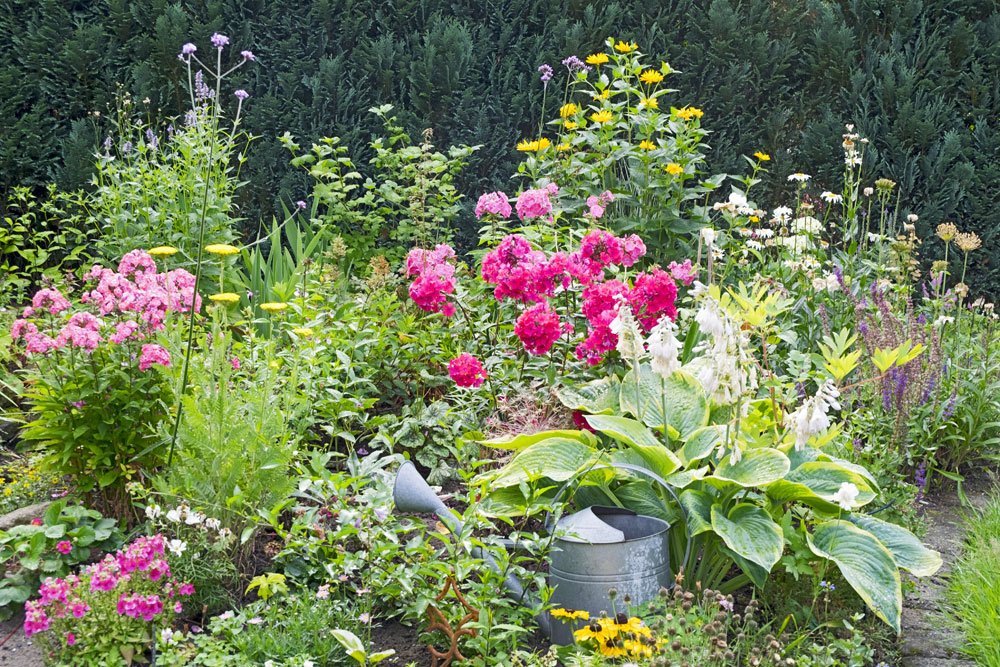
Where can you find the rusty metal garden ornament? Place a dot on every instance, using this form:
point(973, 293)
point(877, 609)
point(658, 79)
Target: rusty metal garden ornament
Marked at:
point(453, 634)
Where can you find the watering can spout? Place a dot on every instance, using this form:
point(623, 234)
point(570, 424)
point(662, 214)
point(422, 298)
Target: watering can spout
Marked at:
point(412, 494)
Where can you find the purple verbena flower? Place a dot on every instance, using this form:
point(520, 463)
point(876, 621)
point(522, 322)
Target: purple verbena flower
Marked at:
point(219, 40)
point(574, 64)
point(241, 94)
point(546, 72)
point(301, 205)
point(248, 55)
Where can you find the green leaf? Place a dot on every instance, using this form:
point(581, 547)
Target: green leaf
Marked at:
point(697, 511)
point(757, 574)
point(641, 497)
point(351, 644)
point(640, 439)
point(679, 401)
point(908, 552)
point(757, 467)
point(520, 441)
point(597, 397)
point(750, 532)
point(701, 442)
point(865, 563)
point(815, 483)
point(558, 459)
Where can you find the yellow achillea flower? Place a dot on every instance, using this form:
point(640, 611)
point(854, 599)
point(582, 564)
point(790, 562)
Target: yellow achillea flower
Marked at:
point(273, 306)
point(687, 113)
point(225, 297)
point(602, 116)
point(162, 251)
point(567, 110)
point(651, 76)
point(674, 169)
point(762, 156)
point(571, 125)
point(647, 145)
point(649, 103)
point(625, 47)
point(304, 332)
point(597, 59)
point(570, 614)
point(221, 249)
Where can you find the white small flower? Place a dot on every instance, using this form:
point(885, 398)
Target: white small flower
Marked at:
point(709, 319)
point(708, 235)
point(806, 225)
point(782, 214)
point(799, 177)
point(874, 237)
point(323, 592)
point(213, 523)
point(174, 515)
point(269, 663)
point(226, 615)
point(853, 160)
point(913, 217)
point(811, 417)
point(764, 233)
point(869, 192)
point(846, 496)
point(625, 327)
point(943, 320)
point(153, 512)
point(826, 282)
point(194, 518)
point(754, 245)
point(177, 547)
point(308, 663)
point(831, 197)
point(664, 348)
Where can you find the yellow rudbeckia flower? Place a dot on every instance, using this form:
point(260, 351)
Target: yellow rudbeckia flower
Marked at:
point(651, 76)
point(162, 251)
point(570, 614)
point(597, 59)
point(602, 116)
point(221, 249)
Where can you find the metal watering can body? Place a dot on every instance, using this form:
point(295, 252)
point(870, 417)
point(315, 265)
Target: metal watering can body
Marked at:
point(595, 550)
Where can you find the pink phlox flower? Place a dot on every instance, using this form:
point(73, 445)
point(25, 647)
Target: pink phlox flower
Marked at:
point(434, 278)
point(493, 203)
point(532, 204)
point(600, 307)
point(521, 272)
point(123, 331)
point(467, 371)
point(153, 354)
point(684, 273)
point(51, 300)
point(136, 261)
point(538, 328)
point(652, 297)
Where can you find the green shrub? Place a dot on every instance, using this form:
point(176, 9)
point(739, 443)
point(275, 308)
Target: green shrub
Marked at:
point(973, 595)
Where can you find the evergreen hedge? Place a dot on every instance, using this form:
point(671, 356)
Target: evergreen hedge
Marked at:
point(921, 78)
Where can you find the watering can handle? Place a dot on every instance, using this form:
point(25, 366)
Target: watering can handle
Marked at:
point(631, 468)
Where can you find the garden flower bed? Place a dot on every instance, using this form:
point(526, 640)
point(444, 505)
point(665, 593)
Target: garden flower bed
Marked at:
point(640, 418)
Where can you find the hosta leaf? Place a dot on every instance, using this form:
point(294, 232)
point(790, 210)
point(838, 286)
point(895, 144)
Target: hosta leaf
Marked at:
point(697, 511)
point(701, 442)
point(641, 497)
point(557, 459)
point(521, 440)
point(683, 478)
point(597, 397)
point(908, 552)
point(679, 402)
point(750, 532)
point(757, 574)
point(757, 467)
point(640, 439)
point(815, 483)
point(865, 563)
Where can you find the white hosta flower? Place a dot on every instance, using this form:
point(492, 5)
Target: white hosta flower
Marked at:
point(799, 177)
point(664, 348)
point(174, 515)
point(812, 418)
point(710, 318)
point(627, 329)
point(153, 512)
point(725, 367)
point(831, 197)
point(177, 547)
point(846, 496)
point(708, 235)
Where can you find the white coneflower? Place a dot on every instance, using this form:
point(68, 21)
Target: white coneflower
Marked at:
point(764, 233)
point(629, 340)
point(754, 245)
point(664, 348)
point(831, 197)
point(799, 177)
point(811, 417)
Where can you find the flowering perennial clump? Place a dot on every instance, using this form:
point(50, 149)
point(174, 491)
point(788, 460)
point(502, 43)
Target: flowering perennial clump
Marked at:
point(434, 278)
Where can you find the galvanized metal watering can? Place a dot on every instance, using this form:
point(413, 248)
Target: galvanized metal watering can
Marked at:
point(594, 550)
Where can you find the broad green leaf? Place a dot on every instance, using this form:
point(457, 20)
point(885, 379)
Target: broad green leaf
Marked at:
point(815, 483)
point(697, 511)
point(641, 497)
point(351, 643)
point(757, 574)
point(640, 439)
point(908, 552)
point(597, 397)
point(677, 402)
point(558, 459)
point(683, 478)
point(701, 442)
point(519, 441)
point(757, 467)
point(750, 532)
point(865, 563)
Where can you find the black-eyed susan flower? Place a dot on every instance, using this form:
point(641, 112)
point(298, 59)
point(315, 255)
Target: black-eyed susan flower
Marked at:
point(570, 614)
point(223, 249)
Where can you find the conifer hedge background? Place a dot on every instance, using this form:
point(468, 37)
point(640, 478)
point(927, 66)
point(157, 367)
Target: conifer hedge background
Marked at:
point(921, 78)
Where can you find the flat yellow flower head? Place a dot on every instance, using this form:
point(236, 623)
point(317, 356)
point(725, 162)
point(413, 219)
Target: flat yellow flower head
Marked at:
point(225, 297)
point(567, 110)
point(651, 76)
point(162, 251)
point(674, 169)
point(687, 113)
point(625, 47)
point(543, 143)
point(563, 147)
point(273, 306)
point(303, 332)
point(223, 249)
point(602, 116)
point(762, 156)
point(597, 59)
point(647, 145)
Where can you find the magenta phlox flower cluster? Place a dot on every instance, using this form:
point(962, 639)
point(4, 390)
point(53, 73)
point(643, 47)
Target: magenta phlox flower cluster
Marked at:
point(137, 577)
point(493, 203)
point(133, 301)
point(537, 203)
point(467, 371)
point(684, 272)
point(434, 278)
point(539, 328)
point(653, 296)
point(522, 273)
